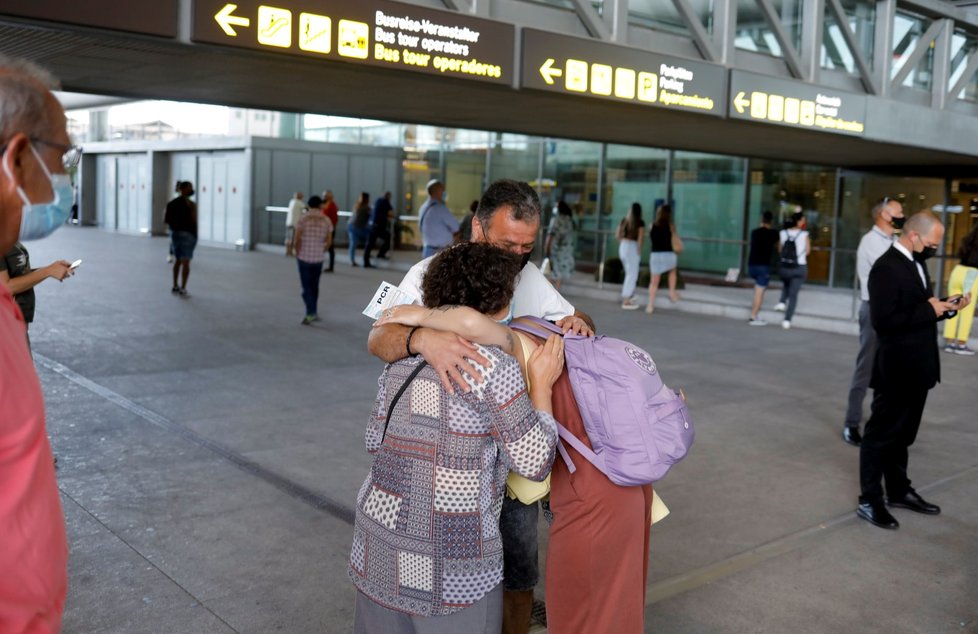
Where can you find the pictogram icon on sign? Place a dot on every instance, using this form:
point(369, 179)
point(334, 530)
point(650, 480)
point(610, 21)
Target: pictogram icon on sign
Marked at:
point(227, 21)
point(353, 39)
point(548, 72)
point(274, 27)
point(315, 33)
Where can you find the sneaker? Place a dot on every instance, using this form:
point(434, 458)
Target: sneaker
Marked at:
point(780, 307)
point(756, 322)
point(183, 292)
point(964, 350)
point(175, 289)
point(316, 318)
point(950, 348)
point(786, 324)
point(307, 320)
point(629, 306)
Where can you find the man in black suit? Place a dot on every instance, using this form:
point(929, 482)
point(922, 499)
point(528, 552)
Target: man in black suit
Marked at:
point(904, 313)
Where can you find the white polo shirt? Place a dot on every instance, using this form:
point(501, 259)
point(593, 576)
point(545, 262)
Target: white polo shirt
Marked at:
point(534, 294)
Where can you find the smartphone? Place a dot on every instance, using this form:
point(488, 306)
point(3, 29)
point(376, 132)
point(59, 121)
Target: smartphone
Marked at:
point(955, 300)
point(74, 265)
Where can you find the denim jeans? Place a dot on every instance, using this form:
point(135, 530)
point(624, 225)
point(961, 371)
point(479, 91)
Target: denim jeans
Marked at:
point(355, 235)
point(309, 274)
point(518, 529)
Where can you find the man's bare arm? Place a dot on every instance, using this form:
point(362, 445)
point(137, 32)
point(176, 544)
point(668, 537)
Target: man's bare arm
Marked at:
point(447, 352)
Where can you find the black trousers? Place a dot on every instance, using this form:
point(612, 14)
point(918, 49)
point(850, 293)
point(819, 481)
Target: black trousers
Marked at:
point(883, 454)
point(384, 235)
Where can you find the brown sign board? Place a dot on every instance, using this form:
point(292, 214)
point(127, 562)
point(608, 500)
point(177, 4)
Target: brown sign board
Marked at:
point(393, 35)
point(158, 17)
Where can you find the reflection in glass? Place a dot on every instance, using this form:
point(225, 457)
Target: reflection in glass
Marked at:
point(963, 46)
point(861, 21)
point(571, 167)
point(708, 197)
point(663, 16)
point(754, 33)
point(632, 175)
point(907, 32)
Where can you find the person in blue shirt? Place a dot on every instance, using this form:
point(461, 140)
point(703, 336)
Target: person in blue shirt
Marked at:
point(438, 225)
point(379, 228)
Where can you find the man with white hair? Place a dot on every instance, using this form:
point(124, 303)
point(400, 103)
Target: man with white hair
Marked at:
point(35, 199)
point(438, 225)
point(904, 313)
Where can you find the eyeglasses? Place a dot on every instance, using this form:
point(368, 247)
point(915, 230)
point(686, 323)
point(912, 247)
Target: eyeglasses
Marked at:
point(71, 154)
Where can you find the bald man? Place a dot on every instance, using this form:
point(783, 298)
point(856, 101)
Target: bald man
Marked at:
point(35, 199)
point(904, 313)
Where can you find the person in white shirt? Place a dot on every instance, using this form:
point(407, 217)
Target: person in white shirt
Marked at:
point(296, 208)
point(793, 275)
point(888, 218)
point(508, 217)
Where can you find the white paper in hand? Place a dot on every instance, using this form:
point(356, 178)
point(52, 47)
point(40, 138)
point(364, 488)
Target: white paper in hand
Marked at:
point(387, 295)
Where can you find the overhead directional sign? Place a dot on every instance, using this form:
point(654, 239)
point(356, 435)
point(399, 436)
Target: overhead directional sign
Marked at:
point(795, 104)
point(158, 17)
point(570, 65)
point(377, 32)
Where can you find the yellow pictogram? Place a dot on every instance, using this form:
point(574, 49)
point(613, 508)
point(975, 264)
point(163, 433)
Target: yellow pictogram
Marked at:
point(740, 102)
point(792, 109)
point(775, 108)
point(758, 105)
point(807, 113)
point(576, 76)
point(353, 39)
point(625, 83)
point(601, 79)
point(548, 72)
point(315, 33)
point(648, 87)
point(226, 21)
point(274, 26)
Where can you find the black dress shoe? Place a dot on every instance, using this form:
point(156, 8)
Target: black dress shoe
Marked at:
point(912, 501)
point(877, 515)
point(851, 435)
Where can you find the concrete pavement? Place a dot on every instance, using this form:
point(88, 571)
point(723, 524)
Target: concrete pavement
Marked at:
point(210, 449)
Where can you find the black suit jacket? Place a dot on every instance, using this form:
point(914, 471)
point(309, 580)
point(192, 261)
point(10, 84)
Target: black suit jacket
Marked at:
point(908, 357)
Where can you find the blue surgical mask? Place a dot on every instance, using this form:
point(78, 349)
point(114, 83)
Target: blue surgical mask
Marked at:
point(39, 220)
point(509, 317)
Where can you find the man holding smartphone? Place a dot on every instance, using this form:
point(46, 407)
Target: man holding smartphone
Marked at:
point(20, 279)
point(904, 313)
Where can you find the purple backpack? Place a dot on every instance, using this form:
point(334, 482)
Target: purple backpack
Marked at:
point(637, 426)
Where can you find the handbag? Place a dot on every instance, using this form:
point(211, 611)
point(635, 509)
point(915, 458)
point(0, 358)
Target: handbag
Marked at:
point(517, 487)
point(677, 243)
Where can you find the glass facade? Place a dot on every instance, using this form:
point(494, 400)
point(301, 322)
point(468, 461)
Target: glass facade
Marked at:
point(861, 21)
point(908, 29)
point(754, 32)
point(717, 199)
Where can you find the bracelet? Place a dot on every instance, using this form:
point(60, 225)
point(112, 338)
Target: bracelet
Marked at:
point(407, 343)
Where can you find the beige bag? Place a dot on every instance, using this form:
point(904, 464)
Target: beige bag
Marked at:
point(677, 242)
point(518, 487)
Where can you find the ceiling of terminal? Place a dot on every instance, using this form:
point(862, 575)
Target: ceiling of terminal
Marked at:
point(131, 66)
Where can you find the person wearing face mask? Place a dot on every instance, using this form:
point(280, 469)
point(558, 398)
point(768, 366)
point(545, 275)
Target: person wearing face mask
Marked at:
point(508, 216)
point(181, 217)
point(35, 199)
point(437, 224)
point(888, 218)
point(904, 313)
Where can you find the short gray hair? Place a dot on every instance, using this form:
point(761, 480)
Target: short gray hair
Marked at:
point(922, 222)
point(24, 92)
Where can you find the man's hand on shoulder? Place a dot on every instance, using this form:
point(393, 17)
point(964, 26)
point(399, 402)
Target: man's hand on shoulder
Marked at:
point(575, 324)
point(450, 355)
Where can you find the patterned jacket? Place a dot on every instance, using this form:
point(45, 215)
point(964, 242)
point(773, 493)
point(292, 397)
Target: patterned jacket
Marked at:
point(426, 538)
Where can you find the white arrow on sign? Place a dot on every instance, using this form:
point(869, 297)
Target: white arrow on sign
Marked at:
point(225, 20)
point(740, 102)
point(549, 72)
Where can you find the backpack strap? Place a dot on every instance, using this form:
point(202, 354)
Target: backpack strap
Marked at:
point(397, 397)
point(581, 448)
point(536, 326)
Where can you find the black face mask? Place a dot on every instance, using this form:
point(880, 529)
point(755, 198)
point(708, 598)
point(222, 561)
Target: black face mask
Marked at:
point(525, 259)
point(926, 254)
point(898, 222)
